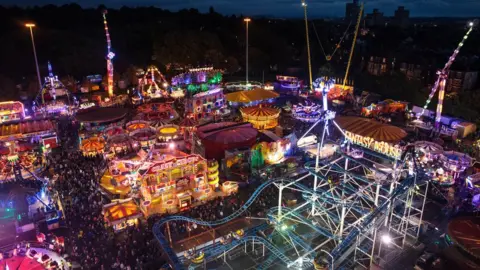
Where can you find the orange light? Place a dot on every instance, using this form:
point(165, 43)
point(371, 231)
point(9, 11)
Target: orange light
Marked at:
point(29, 25)
point(247, 20)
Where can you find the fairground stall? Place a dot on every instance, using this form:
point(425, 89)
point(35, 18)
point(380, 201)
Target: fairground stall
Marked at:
point(11, 111)
point(289, 82)
point(387, 106)
point(207, 104)
point(172, 181)
point(121, 214)
point(197, 80)
point(261, 117)
point(23, 143)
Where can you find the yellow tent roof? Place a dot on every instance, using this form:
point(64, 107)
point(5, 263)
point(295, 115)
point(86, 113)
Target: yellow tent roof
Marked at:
point(248, 96)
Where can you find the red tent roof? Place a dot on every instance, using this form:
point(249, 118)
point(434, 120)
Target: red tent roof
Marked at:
point(227, 132)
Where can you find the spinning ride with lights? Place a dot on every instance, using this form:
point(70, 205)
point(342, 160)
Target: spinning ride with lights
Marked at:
point(348, 204)
point(442, 79)
point(308, 112)
point(46, 101)
point(153, 84)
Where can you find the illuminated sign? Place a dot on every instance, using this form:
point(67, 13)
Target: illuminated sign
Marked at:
point(380, 147)
point(173, 163)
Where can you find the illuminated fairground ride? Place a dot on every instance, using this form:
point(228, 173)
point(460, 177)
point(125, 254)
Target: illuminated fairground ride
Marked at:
point(46, 100)
point(153, 84)
point(308, 112)
point(441, 82)
point(197, 80)
point(354, 208)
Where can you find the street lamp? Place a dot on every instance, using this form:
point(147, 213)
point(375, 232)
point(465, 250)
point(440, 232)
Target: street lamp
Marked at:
point(30, 26)
point(387, 239)
point(246, 20)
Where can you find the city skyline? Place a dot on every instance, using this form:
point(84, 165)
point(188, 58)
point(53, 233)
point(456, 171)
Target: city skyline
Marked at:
point(286, 8)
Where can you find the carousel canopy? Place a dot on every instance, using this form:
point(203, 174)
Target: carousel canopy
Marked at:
point(136, 125)
point(227, 132)
point(248, 96)
point(120, 211)
point(371, 128)
point(465, 232)
point(112, 131)
point(21, 263)
point(260, 112)
point(93, 144)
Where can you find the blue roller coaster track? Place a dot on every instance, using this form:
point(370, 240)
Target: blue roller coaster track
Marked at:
point(336, 253)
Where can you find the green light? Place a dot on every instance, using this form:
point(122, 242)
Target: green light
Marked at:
point(284, 227)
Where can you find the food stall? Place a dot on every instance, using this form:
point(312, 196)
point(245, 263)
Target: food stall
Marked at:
point(121, 214)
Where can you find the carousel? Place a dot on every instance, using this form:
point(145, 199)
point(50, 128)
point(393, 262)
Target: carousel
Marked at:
point(261, 117)
point(428, 151)
point(169, 132)
point(308, 112)
point(92, 146)
point(136, 125)
point(113, 131)
point(144, 136)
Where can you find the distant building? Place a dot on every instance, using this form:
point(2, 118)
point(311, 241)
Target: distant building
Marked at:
point(424, 73)
point(411, 71)
point(375, 18)
point(401, 17)
point(461, 80)
point(377, 65)
point(351, 11)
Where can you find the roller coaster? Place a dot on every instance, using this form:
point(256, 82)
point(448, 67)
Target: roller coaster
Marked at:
point(347, 204)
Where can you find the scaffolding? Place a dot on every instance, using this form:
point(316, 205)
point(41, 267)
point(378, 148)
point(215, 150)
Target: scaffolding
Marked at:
point(353, 208)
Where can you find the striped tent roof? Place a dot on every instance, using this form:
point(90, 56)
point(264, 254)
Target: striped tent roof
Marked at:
point(371, 128)
point(248, 96)
point(260, 112)
point(120, 211)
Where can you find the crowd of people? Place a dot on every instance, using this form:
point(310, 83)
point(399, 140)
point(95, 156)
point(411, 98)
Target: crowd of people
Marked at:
point(91, 243)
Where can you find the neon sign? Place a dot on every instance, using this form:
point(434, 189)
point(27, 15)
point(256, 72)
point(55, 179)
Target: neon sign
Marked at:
point(173, 164)
point(384, 148)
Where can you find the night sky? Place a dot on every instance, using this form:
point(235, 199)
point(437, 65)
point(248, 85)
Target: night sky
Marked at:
point(287, 8)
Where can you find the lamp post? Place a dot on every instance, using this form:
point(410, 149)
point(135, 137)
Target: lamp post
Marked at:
point(246, 20)
point(304, 5)
point(30, 26)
